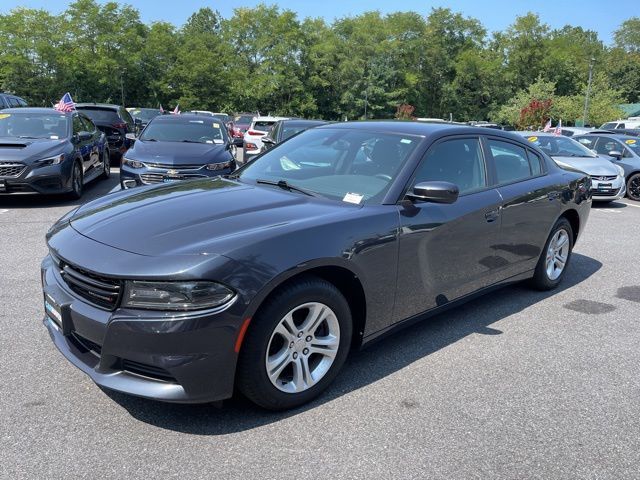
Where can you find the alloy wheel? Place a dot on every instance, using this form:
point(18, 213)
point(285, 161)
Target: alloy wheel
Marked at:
point(106, 161)
point(633, 188)
point(302, 347)
point(557, 254)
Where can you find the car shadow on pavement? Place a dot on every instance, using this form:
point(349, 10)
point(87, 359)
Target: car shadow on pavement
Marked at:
point(363, 367)
point(609, 205)
point(95, 189)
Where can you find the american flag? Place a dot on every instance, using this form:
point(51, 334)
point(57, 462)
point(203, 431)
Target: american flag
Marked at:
point(176, 111)
point(65, 104)
point(547, 127)
point(558, 130)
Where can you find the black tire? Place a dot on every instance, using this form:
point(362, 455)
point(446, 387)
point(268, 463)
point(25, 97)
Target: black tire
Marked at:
point(633, 187)
point(106, 163)
point(252, 378)
point(77, 182)
point(541, 279)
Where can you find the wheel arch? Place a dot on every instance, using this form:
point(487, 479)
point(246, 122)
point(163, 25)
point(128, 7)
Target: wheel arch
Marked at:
point(573, 218)
point(344, 278)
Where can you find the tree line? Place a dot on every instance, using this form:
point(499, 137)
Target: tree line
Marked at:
point(267, 59)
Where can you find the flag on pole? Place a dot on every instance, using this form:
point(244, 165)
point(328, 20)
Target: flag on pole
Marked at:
point(161, 109)
point(65, 104)
point(547, 127)
point(176, 111)
point(558, 130)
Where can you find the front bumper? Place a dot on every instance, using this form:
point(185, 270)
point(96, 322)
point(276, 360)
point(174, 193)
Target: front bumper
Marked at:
point(173, 357)
point(48, 179)
point(608, 190)
point(148, 175)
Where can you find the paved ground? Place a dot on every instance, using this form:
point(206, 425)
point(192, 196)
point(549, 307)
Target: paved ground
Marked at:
point(516, 385)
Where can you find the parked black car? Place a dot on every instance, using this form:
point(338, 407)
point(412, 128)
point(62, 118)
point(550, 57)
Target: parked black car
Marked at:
point(142, 116)
point(285, 129)
point(115, 122)
point(178, 147)
point(47, 151)
point(11, 101)
point(267, 278)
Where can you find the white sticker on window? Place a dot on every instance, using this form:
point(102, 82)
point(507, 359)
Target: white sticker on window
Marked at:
point(209, 141)
point(405, 140)
point(352, 198)
point(218, 141)
point(54, 137)
point(196, 121)
point(216, 125)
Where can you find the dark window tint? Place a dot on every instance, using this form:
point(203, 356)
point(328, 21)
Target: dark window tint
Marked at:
point(511, 161)
point(22, 102)
point(263, 126)
point(78, 126)
point(13, 102)
point(126, 116)
point(606, 145)
point(88, 125)
point(99, 115)
point(458, 161)
point(535, 162)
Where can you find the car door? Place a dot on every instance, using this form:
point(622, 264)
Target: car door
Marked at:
point(94, 143)
point(446, 251)
point(83, 146)
point(531, 203)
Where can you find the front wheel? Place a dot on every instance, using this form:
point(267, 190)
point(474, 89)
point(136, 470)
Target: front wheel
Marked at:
point(106, 164)
point(77, 182)
point(555, 256)
point(633, 187)
point(296, 345)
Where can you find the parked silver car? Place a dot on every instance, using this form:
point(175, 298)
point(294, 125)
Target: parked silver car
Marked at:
point(607, 180)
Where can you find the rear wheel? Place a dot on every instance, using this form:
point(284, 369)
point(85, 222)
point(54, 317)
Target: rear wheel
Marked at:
point(296, 345)
point(555, 257)
point(633, 187)
point(77, 181)
point(106, 163)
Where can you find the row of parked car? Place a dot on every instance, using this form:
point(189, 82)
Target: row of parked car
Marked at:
point(48, 151)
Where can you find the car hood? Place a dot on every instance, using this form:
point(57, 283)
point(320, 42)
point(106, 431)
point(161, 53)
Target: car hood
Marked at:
point(178, 153)
point(28, 150)
point(589, 165)
point(208, 216)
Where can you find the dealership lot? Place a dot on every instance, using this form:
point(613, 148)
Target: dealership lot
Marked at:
point(514, 384)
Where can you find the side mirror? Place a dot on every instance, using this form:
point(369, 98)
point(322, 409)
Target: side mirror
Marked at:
point(436, 192)
point(615, 154)
point(130, 136)
point(84, 136)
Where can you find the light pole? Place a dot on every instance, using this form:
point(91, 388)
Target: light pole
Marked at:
point(122, 84)
point(586, 98)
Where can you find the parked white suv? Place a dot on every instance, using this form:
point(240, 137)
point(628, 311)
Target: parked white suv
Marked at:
point(260, 126)
point(631, 122)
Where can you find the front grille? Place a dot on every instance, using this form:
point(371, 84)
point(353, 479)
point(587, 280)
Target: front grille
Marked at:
point(174, 167)
point(150, 178)
point(10, 169)
point(146, 370)
point(606, 192)
point(604, 178)
point(86, 345)
point(102, 292)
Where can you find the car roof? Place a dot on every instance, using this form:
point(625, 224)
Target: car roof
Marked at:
point(539, 134)
point(99, 105)
point(34, 110)
point(269, 119)
point(618, 136)
point(182, 118)
point(303, 121)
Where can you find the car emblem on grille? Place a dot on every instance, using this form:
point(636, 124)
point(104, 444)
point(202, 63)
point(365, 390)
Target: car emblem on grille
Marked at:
point(172, 172)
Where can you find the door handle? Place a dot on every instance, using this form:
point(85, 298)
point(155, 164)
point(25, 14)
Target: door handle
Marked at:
point(492, 216)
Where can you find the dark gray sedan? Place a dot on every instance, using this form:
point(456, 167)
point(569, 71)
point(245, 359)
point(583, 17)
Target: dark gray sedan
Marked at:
point(266, 279)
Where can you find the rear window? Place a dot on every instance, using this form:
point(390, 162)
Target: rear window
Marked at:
point(244, 119)
point(263, 126)
point(101, 115)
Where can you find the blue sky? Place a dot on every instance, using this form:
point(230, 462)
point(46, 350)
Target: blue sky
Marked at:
point(598, 15)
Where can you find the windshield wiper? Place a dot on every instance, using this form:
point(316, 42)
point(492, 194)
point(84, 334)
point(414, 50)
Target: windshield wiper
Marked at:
point(190, 141)
point(148, 139)
point(27, 136)
point(286, 186)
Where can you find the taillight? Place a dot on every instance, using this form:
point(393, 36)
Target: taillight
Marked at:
point(251, 146)
point(259, 134)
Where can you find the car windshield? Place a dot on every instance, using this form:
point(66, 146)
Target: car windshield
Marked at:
point(34, 125)
point(145, 114)
point(193, 131)
point(355, 166)
point(609, 126)
point(560, 146)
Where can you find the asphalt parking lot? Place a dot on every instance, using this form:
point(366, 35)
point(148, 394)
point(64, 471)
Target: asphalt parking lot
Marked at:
point(519, 384)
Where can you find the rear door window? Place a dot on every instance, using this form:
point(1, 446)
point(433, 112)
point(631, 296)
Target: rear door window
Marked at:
point(511, 162)
point(78, 126)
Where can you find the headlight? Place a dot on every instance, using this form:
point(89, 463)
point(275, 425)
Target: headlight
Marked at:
point(620, 169)
point(175, 295)
point(50, 161)
point(218, 166)
point(132, 163)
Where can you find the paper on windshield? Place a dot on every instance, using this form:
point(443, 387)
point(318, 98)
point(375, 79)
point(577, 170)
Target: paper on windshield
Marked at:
point(353, 198)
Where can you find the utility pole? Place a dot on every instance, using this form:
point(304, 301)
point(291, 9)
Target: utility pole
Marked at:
point(122, 85)
point(586, 98)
